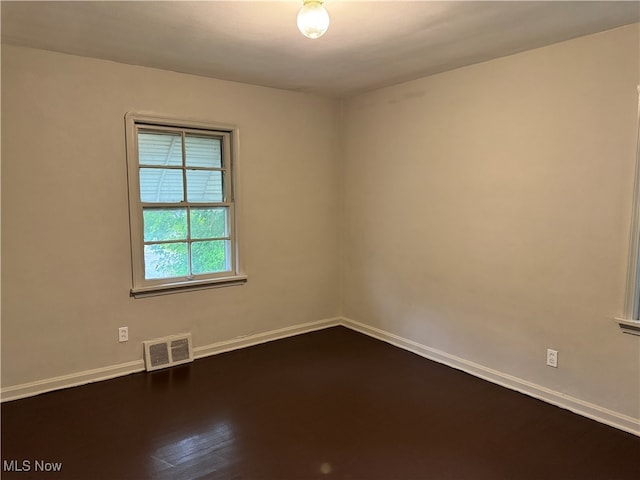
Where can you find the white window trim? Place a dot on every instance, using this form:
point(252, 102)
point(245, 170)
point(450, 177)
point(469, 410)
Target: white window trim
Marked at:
point(630, 323)
point(142, 287)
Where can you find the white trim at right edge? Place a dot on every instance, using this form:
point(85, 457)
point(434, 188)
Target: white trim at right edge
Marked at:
point(632, 296)
point(575, 405)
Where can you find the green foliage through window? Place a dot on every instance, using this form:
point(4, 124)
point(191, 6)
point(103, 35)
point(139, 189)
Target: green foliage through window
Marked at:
point(177, 241)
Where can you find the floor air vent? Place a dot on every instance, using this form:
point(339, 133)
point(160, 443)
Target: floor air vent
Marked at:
point(167, 352)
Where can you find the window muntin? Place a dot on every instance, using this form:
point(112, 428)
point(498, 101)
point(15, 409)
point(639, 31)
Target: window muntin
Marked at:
point(182, 204)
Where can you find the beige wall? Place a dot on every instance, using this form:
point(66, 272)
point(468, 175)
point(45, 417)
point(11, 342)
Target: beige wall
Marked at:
point(66, 270)
point(487, 212)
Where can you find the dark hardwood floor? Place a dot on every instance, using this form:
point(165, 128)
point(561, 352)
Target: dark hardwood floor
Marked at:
point(332, 404)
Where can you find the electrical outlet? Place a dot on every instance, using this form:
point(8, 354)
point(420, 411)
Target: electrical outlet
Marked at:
point(552, 358)
point(123, 334)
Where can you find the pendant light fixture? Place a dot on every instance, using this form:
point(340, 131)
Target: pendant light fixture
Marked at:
point(313, 19)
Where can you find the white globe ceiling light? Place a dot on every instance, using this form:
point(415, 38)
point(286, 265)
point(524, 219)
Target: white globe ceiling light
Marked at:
point(313, 19)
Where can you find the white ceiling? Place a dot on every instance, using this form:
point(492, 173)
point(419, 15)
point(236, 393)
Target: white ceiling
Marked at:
point(369, 44)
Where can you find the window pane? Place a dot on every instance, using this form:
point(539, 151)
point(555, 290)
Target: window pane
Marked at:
point(159, 149)
point(165, 224)
point(161, 185)
point(209, 223)
point(210, 257)
point(204, 186)
point(166, 260)
point(203, 152)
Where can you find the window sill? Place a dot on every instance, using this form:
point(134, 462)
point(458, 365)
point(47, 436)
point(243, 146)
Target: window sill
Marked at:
point(188, 286)
point(632, 327)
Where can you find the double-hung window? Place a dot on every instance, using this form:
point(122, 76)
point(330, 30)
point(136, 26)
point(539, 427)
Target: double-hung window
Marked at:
point(182, 204)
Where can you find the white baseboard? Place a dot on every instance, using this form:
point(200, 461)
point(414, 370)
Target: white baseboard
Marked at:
point(248, 341)
point(30, 389)
point(581, 407)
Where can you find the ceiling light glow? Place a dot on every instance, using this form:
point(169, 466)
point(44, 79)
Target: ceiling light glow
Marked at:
point(313, 19)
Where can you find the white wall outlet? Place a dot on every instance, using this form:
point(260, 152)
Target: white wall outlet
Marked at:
point(123, 334)
point(552, 358)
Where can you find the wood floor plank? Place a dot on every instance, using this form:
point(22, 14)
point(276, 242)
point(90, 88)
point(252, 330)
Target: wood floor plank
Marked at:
point(331, 404)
